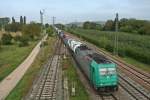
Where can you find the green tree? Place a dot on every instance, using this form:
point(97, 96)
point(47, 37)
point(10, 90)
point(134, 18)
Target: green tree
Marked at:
point(32, 30)
point(24, 20)
point(50, 31)
point(133, 25)
point(46, 25)
point(21, 20)
point(86, 25)
point(60, 26)
point(123, 22)
point(92, 25)
point(13, 20)
point(109, 25)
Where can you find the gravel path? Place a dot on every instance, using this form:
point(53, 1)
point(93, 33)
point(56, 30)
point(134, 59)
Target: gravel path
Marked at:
point(13, 78)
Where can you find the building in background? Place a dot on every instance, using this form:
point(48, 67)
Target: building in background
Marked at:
point(4, 21)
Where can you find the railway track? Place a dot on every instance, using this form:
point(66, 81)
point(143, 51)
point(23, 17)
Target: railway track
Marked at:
point(133, 89)
point(107, 97)
point(48, 86)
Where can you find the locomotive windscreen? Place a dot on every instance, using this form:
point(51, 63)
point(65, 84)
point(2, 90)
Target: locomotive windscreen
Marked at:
point(99, 58)
point(84, 47)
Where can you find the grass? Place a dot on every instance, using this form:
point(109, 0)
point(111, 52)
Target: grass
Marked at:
point(72, 76)
point(25, 84)
point(138, 64)
point(11, 56)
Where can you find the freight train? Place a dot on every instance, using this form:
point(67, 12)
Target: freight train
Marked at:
point(100, 71)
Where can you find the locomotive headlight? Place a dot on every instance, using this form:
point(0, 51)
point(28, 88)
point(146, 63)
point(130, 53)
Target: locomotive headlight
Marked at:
point(103, 71)
point(112, 70)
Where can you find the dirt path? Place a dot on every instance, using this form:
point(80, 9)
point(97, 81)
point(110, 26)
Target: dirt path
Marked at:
point(13, 78)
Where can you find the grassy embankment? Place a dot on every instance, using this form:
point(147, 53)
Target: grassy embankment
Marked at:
point(11, 56)
point(70, 73)
point(25, 84)
point(132, 48)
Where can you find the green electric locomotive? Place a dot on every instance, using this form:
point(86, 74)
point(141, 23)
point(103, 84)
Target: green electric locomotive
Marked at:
point(100, 71)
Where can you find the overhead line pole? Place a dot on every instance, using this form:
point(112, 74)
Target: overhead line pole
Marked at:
point(53, 20)
point(41, 18)
point(116, 35)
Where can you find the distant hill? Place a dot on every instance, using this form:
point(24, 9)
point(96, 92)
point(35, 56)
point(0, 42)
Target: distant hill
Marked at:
point(80, 24)
point(100, 22)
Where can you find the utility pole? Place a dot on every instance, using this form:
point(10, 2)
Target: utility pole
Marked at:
point(116, 24)
point(42, 42)
point(41, 18)
point(116, 35)
point(53, 20)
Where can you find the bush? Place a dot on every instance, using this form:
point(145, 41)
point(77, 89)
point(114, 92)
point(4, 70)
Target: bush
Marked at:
point(23, 41)
point(126, 28)
point(17, 38)
point(138, 54)
point(49, 31)
point(45, 42)
point(6, 39)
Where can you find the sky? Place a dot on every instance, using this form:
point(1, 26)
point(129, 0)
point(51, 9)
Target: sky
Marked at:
point(67, 11)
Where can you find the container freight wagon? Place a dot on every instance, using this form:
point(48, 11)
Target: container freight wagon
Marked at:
point(99, 70)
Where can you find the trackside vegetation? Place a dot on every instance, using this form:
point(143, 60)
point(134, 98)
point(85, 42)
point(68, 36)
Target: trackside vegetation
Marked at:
point(11, 56)
point(14, 47)
point(70, 73)
point(131, 25)
point(23, 87)
point(130, 45)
